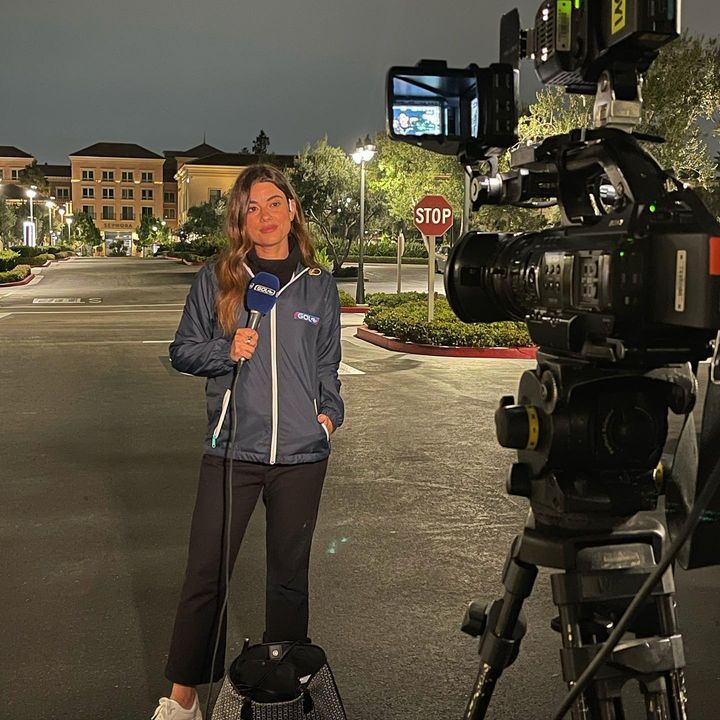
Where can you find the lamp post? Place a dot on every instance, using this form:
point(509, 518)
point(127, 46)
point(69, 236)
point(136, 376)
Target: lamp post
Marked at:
point(31, 192)
point(69, 220)
point(50, 205)
point(364, 153)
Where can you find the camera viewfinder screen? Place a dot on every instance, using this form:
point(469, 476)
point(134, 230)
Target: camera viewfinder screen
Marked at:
point(417, 119)
point(474, 117)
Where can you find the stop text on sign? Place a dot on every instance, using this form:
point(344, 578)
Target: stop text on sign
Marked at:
point(433, 215)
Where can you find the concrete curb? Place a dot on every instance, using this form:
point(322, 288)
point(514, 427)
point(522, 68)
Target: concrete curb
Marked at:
point(389, 343)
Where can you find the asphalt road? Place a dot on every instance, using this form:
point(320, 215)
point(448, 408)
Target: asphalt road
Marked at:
point(100, 448)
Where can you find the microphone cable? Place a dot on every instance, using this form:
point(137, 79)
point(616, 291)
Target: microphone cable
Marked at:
point(228, 524)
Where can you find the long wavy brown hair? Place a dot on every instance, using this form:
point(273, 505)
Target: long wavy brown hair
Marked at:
point(231, 273)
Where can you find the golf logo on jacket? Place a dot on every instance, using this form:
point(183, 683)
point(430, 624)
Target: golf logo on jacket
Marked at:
point(313, 319)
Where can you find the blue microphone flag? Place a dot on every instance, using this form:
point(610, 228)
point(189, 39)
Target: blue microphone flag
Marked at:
point(262, 293)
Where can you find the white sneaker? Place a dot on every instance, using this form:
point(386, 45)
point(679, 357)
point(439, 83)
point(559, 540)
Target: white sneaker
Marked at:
point(168, 709)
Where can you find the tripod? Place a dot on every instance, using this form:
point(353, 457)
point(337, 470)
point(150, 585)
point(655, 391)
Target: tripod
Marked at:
point(589, 442)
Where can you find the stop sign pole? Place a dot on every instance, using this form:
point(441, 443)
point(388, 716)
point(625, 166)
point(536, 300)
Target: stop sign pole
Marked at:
point(433, 217)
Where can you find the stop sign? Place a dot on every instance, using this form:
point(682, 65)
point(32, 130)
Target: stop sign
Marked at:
point(433, 215)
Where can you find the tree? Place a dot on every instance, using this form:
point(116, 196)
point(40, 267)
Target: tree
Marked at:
point(205, 219)
point(8, 221)
point(85, 231)
point(681, 91)
point(150, 231)
point(261, 144)
point(402, 174)
point(33, 175)
point(327, 183)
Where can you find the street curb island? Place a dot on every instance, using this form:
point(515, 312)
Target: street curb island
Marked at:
point(403, 346)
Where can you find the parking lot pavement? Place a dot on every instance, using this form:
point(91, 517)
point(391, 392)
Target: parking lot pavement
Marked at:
point(101, 443)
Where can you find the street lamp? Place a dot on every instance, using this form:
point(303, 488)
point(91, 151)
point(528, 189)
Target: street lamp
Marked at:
point(69, 220)
point(49, 205)
point(364, 153)
point(31, 192)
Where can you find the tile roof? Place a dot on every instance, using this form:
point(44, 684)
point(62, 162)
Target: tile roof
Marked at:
point(117, 150)
point(55, 170)
point(8, 151)
point(244, 159)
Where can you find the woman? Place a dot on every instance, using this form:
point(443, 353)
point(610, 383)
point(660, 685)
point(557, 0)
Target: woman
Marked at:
point(288, 403)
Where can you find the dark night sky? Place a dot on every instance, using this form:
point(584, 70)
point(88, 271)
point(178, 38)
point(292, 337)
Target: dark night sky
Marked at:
point(163, 72)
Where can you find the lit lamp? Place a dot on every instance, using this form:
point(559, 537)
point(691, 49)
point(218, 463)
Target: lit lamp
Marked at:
point(31, 192)
point(69, 220)
point(364, 153)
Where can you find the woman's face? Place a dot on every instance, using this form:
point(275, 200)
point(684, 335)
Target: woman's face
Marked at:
point(268, 219)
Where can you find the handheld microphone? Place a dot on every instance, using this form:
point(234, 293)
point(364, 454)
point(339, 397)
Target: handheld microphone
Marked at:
point(260, 300)
point(261, 297)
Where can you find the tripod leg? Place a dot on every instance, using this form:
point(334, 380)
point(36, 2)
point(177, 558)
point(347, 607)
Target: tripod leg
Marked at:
point(675, 679)
point(501, 627)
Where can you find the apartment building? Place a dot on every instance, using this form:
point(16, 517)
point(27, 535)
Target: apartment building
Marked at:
point(12, 161)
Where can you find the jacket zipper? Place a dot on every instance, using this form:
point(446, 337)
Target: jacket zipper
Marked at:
point(273, 362)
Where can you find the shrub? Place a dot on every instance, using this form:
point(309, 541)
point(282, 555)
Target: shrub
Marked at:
point(321, 255)
point(26, 251)
point(19, 272)
point(60, 254)
point(35, 260)
point(8, 259)
point(408, 321)
point(346, 299)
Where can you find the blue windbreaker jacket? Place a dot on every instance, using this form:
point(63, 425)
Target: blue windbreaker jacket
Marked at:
point(291, 378)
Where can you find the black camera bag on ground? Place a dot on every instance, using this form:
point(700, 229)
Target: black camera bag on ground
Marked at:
point(279, 681)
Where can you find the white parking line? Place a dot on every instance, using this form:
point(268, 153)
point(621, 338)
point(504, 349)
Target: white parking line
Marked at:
point(4, 315)
point(349, 370)
point(159, 342)
point(88, 311)
point(137, 305)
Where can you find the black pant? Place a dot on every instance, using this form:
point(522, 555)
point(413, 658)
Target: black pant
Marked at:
point(291, 494)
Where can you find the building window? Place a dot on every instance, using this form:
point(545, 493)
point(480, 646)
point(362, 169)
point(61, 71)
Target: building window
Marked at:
point(214, 195)
point(128, 213)
point(62, 193)
point(147, 177)
point(169, 213)
point(108, 175)
point(127, 175)
point(127, 193)
point(88, 192)
point(108, 193)
point(108, 212)
point(169, 197)
point(14, 174)
point(147, 211)
point(89, 210)
point(147, 194)
point(88, 174)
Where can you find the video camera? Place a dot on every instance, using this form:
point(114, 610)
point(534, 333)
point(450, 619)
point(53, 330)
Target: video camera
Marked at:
point(620, 279)
point(622, 299)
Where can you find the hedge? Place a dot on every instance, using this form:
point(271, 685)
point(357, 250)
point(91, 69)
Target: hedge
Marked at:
point(406, 319)
point(19, 272)
point(35, 260)
point(346, 299)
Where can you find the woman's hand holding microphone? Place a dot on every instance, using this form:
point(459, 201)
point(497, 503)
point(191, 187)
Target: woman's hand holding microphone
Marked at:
point(243, 344)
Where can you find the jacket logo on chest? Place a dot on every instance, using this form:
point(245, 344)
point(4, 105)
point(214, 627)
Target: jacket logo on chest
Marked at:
point(313, 319)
